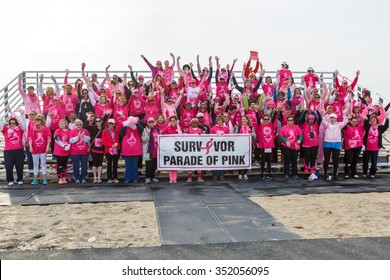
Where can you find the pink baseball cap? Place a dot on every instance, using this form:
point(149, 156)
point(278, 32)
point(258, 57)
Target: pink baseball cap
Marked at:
point(310, 117)
point(200, 115)
point(56, 97)
point(140, 77)
point(151, 119)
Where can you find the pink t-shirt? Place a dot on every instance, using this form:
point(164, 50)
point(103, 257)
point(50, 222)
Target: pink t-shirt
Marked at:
point(69, 102)
point(168, 74)
point(196, 130)
point(268, 89)
point(64, 138)
point(353, 136)
point(265, 136)
point(310, 135)
point(39, 139)
point(310, 80)
point(13, 138)
point(372, 143)
point(220, 129)
point(80, 147)
point(291, 133)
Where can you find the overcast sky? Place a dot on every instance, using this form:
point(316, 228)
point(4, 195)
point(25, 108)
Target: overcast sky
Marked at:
point(328, 35)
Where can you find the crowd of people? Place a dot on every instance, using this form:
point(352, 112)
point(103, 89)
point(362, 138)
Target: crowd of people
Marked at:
point(123, 116)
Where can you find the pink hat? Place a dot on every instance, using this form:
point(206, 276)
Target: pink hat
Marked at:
point(270, 104)
point(111, 121)
point(217, 98)
point(194, 120)
point(140, 77)
point(192, 81)
point(151, 119)
point(205, 69)
point(56, 97)
point(136, 90)
point(310, 117)
point(200, 115)
point(344, 80)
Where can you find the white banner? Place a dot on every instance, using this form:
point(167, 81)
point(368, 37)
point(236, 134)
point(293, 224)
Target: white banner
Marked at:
point(204, 152)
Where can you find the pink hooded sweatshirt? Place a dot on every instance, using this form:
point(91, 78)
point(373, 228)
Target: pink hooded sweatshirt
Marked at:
point(31, 102)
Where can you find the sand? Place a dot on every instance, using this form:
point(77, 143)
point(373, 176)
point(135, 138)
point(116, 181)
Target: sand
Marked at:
point(70, 226)
point(134, 224)
point(332, 215)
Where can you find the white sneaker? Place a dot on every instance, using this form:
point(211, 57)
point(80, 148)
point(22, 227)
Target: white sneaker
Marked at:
point(147, 181)
point(116, 181)
point(109, 181)
point(239, 177)
point(10, 183)
point(356, 176)
point(83, 181)
point(77, 181)
point(20, 183)
point(245, 177)
point(154, 180)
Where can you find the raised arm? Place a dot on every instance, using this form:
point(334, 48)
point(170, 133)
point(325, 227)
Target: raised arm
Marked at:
point(40, 86)
point(86, 79)
point(20, 86)
point(173, 60)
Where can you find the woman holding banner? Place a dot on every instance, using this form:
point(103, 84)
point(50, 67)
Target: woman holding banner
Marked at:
point(173, 128)
point(220, 129)
point(244, 128)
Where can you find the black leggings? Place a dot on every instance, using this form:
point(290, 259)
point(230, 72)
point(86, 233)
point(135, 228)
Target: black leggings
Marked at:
point(14, 158)
point(112, 166)
point(373, 155)
point(309, 154)
point(151, 166)
point(265, 158)
point(290, 158)
point(335, 158)
point(351, 159)
point(62, 166)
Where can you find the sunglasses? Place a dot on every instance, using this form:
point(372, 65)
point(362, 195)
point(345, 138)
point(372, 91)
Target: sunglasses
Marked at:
point(38, 120)
point(97, 121)
point(150, 121)
point(290, 120)
point(266, 119)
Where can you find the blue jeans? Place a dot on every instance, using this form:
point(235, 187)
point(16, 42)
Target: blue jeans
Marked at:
point(76, 159)
point(131, 164)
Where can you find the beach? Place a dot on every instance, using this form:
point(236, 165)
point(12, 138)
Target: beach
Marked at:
point(134, 224)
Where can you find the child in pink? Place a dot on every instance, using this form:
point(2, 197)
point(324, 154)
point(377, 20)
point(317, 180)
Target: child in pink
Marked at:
point(194, 129)
point(173, 128)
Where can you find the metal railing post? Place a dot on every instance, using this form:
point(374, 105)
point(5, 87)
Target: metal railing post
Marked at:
point(24, 81)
